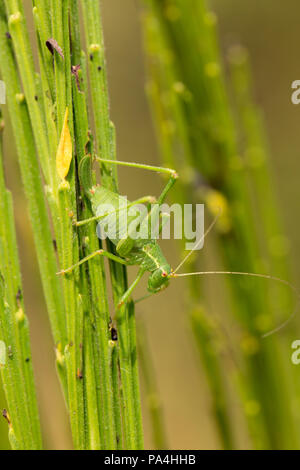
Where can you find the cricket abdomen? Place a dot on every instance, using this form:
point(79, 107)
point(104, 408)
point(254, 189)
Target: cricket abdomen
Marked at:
point(153, 257)
point(115, 224)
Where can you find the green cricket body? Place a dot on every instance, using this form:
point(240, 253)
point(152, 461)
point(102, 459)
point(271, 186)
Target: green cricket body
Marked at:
point(145, 253)
point(112, 213)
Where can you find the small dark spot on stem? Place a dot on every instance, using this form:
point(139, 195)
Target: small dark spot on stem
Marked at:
point(91, 57)
point(79, 374)
point(9, 352)
point(114, 334)
point(5, 416)
point(75, 71)
point(27, 359)
point(19, 295)
point(53, 46)
point(113, 331)
point(54, 244)
point(99, 68)
point(87, 147)
point(36, 98)
point(8, 35)
point(81, 204)
point(71, 344)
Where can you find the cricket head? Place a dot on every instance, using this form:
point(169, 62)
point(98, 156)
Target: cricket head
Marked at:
point(159, 278)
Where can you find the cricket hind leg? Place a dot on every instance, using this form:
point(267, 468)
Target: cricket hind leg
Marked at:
point(173, 176)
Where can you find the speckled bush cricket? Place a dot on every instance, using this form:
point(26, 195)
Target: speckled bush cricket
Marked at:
point(145, 253)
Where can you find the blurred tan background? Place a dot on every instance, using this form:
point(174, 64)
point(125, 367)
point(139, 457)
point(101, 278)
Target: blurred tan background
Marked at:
point(270, 31)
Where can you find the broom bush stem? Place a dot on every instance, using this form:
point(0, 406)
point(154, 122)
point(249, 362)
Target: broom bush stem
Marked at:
point(99, 377)
point(32, 184)
point(99, 316)
point(105, 147)
point(199, 84)
point(17, 371)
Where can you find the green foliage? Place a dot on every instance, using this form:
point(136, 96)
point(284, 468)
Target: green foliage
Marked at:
point(223, 162)
point(16, 363)
point(60, 115)
point(87, 360)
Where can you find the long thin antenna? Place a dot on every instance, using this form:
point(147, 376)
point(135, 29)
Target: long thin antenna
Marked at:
point(284, 324)
point(199, 242)
point(263, 276)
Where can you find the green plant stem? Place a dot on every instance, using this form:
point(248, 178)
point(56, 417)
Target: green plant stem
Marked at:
point(273, 243)
point(206, 335)
point(33, 185)
point(58, 34)
point(173, 136)
point(22, 49)
point(17, 373)
point(12, 382)
point(97, 282)
point(198, 81)
point(69, 250)
point(61, 202)
point(257, 159)
point(116, 392)
point(74, 321)
point(152, 394)
point(135, 373)
point(90, 385)
point(42, 7)
point(47, 92)
point(87, 364)
point(105, 147)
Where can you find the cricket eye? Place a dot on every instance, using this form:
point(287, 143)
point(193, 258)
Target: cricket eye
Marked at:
point(164, 274)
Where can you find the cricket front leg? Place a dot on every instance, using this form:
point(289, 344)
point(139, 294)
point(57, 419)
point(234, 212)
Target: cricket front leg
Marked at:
point(129, 291)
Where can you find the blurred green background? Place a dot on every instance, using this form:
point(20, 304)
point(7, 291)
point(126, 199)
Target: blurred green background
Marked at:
point(270, 31)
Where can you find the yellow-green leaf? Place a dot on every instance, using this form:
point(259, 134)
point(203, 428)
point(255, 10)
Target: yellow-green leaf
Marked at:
point(64, 151)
